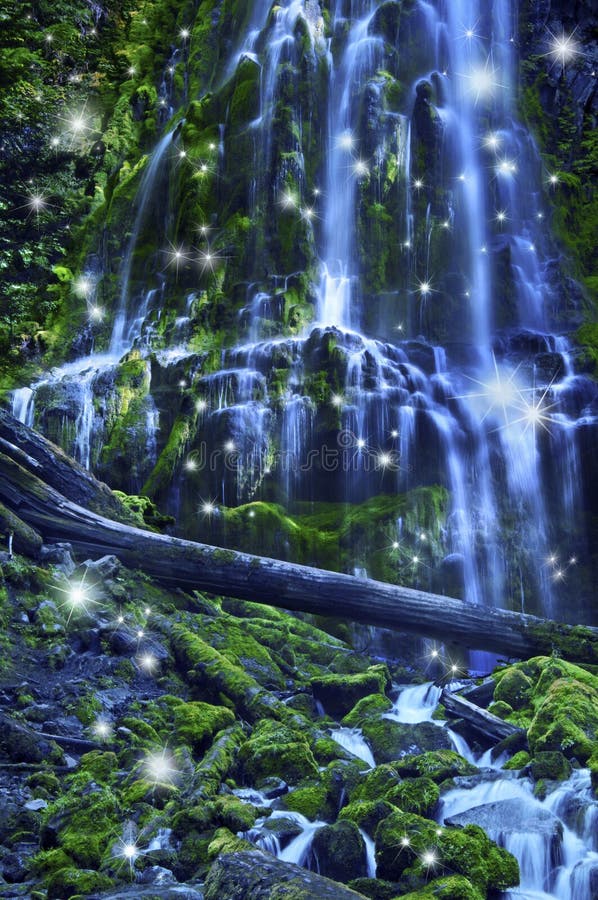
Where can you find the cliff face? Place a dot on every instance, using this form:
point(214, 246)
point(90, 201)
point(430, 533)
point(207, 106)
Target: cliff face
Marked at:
point(560, 102)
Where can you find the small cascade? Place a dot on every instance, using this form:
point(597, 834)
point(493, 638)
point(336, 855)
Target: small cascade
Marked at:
point(370, 851)
point(299, 849)
point(352, 740)
point(126, 321)
point(415, 704)
point(23, 405)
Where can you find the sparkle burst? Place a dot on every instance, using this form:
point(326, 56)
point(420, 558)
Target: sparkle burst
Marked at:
point(482, 81)
point(563, 48)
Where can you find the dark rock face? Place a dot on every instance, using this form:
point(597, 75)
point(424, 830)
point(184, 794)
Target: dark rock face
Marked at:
point(254, 876)
point(340, 851)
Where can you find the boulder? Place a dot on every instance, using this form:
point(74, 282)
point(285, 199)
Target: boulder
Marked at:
point(255, 876)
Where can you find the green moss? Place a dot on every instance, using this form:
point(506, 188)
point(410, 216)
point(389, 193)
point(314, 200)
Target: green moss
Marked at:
point(437, 765)
point(372, 705)
point(340, 693)
point(417, 795)
point(514, 688)
point(310, 801)
point(71, 882)
point(518, 761)
point(561, 703)
point(402, 838)
point(276, 749)
point(367, 814)
point(550, 764)
point(453, 887)
point(224, 841)
point(196, 723)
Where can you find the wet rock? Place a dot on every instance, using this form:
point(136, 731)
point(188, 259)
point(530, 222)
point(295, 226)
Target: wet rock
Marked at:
point(35, 805)
point(340, 693)
point(255, 876)
point(550, 367)
point(393, 740)
point(508, 817)
point(340, 850)
point(157, 875)
point(60, 556)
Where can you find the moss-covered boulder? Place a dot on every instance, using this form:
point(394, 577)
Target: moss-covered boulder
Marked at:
point(416, 795)
point(566, 720)
point(514, 688)
point(367, 814)
point(339, 693)
point(437, 765)
point(340, 850)
point(259, 876)
point(453, 887)
point(372, 705)
point(409, 842)
point(276, 749)
point(196, 723)
point(556, 701)
point(322, 797)
point(73, 882)
point(392, 740)
point(550, 764)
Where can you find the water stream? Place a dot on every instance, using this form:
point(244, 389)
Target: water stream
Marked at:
point(554, 840)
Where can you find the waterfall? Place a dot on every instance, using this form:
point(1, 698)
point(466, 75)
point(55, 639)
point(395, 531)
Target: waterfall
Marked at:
point(459, 382)
point(352, 739)
point(123, 331)
point(416, 704)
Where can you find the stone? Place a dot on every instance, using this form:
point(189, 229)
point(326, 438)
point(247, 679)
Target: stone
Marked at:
point(251, 875)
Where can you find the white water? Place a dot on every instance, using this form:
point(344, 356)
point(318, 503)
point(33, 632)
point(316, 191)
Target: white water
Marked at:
point(352, 739)
point(554, 840)
point(415, 704)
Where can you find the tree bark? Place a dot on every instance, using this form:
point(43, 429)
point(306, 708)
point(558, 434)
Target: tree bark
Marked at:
point(480, 719)
point(286, 585)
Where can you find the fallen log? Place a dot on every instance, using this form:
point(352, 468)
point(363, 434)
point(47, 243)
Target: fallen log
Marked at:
point(175, 561)
point(52, 465)
point(482, 721)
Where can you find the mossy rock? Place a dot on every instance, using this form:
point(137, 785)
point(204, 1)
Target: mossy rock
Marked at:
point(275, 749)
point(71, 882)
point(196, 723)
point(340, 693)
point(437, 765)
point(321, 798)
point(374, 888)
point(99, 765)
point(514, 688)
point(402, 839)
point(518, 761)
point(550, 764)
point(340, 850)
point(224, 841)
point(372, 705)
point(309, 800)
point(566, 720)
point(454, 887)
point(376, 783)
point(391, 740)
point(501, 709)
point(417, 795)
point(367, 814)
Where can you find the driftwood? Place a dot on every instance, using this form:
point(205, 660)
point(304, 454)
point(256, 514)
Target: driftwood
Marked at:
point(174, 561)
point(479, 719)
